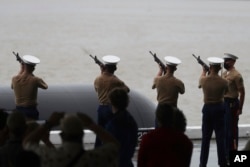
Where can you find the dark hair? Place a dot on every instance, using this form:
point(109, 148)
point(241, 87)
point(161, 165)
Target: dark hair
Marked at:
point(30, 67)
point(171, 68)
point(171, 117)
point(216, 67)
point(110, 68)
point(118, 98)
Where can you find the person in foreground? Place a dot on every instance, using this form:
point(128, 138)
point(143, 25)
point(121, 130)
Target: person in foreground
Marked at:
point(12, 149)
point(72, 152)
point(214, 88)
point(12, 153)
point(123, 126)
point(3, 127)
point(167, 145)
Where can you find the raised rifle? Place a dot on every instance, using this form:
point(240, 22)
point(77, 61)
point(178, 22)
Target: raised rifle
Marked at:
point(97, 61)
point(201, 62)
point(18, 58)
point(157, 60)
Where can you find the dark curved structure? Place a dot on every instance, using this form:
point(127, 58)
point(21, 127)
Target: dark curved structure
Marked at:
point(80, 98)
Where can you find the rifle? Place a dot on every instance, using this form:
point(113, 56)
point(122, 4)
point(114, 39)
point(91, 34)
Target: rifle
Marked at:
point(97, 61)
point(18, 58)
point(157, 60)
point(201, 62)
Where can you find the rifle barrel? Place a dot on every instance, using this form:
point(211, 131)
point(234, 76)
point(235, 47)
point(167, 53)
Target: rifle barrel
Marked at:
point(92, 56)
point(151, 53)
point(195, 56)
point(18, 58)
point(201, 62)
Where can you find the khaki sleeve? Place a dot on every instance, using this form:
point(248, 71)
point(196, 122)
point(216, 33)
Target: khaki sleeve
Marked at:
point(41, 84)
point(239, 82)
point(182, 88)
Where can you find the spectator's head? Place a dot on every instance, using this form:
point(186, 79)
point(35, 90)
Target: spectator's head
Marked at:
point(16, 124)
point(119, 98)
point(170, 117)
point(72, 128)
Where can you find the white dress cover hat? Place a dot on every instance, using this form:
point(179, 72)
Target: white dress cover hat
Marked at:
point(110, 59)
point(215, 60)
point(170, 60)
point(230, 56)
point(31, 60)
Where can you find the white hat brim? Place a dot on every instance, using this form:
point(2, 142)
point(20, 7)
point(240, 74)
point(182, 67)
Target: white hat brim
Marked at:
point(215, 60)
point(111, 59)
point(29, 59)
point(230, 56)
point(170, 60)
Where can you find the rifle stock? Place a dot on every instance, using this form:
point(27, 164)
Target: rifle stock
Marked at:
point(201, 62)
point(18, 58)
point(97, 61)
point(157, 60)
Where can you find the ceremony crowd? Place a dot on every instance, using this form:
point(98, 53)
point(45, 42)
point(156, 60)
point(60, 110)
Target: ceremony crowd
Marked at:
point(24, 142)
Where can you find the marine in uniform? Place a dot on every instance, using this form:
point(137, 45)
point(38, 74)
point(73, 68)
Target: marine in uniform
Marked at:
point(168, 86)
point(25, 85)
point(214, 88)
point(103, 84)
point(233, 100)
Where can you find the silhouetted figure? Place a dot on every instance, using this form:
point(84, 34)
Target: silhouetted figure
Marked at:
point(12, 149)
point(3, 127)
point(123, 126)
point(72, 152)
point(167, 145)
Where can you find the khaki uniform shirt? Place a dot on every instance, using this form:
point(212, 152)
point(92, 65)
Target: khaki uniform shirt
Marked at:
point(25, 88)
point(235, 83)
point(105, 83)
point(214, 88)
point(168, 88)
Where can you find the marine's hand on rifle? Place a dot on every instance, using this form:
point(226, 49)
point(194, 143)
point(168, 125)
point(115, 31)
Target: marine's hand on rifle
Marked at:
point(161, 71)
point(102, 68)
point(204, 65)
point(97, 61)
point(101, 65)
point(204, 71)
point(18, 58)
point(159, 62)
